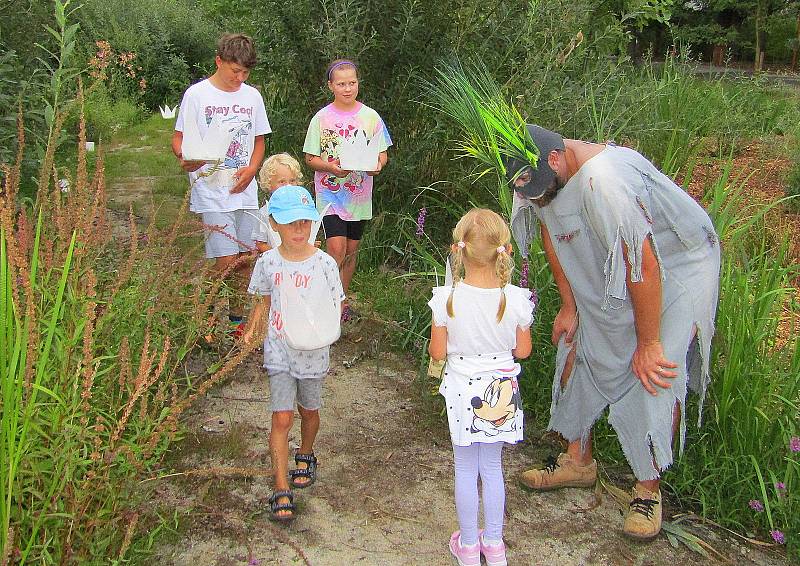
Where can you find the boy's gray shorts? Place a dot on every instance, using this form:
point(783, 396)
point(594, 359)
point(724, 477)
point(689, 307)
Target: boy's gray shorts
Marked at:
point(238, 224)
point(285, 391)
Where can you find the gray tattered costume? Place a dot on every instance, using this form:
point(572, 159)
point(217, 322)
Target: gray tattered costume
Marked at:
point(619, 197)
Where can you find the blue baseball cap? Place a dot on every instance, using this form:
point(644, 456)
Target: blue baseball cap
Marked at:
point(290, 203)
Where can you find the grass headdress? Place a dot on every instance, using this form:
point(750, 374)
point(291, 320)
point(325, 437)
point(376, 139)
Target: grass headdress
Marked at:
point(491, 129)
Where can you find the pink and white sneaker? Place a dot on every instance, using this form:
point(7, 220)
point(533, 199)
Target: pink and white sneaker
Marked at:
point(466, 555)
point(495, 554)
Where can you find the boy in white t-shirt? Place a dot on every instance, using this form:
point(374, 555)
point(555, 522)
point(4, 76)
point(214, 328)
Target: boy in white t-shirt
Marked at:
point(222, 192)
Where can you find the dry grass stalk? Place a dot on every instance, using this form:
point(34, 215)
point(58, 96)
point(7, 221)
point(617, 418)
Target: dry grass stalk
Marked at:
point(126, 542)
point(9, 546)
point(19, 268)
point(87, 365)
point(170, 423)
point(124, 365)
point(218, 472)
point(16, 172)
point(24, 234)
point(179, 220)
point(49, 159)
point(144, 380)
point(54, 205)
point(125, 272)
point(81, 174)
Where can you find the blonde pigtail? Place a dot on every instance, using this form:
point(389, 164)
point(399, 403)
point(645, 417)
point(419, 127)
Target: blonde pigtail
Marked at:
point(458, 268)
point(503, 266)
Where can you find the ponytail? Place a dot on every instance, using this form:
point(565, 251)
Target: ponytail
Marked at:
point(502, 267)
point(458, 271)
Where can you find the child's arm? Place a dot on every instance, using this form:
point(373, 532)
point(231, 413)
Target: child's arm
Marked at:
point(177, 144)
point(319, 164)
point(255, 322)
point(246, 174)
point(383, 158)
point(437, 347)
point(524, 343)
point(262, 247)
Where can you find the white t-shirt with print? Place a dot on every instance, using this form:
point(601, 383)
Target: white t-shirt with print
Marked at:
point(269, 274)
point(475, 330)
point(244, 108)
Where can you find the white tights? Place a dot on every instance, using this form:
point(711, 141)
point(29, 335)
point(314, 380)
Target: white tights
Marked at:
point(484, 460)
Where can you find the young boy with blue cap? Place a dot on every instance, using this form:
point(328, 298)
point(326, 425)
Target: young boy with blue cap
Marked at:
point(301, 271)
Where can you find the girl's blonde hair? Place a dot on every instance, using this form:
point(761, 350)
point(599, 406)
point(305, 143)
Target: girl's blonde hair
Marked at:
point(482, 237)
point(270, 167)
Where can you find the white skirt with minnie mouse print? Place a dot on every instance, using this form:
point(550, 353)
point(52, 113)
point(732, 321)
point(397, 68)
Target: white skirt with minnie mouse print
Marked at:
point(483, 405)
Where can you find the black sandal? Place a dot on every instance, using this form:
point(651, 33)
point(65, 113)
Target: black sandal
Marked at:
point(309, 472)
point(276, 507)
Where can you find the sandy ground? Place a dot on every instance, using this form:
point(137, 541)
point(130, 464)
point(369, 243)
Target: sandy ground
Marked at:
point(384, 492)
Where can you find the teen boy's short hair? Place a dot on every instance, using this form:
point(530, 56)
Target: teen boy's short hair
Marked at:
point(237, 48)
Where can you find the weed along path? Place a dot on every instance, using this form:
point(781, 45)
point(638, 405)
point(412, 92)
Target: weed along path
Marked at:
point(384, 490)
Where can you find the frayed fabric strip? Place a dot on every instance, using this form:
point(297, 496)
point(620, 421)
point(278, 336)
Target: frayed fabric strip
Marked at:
point(615, 270)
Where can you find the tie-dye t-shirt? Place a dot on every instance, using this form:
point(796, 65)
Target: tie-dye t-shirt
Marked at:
point(350, 197)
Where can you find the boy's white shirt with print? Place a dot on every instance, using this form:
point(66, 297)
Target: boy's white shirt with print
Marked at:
point(243, 110)
point(268, 275)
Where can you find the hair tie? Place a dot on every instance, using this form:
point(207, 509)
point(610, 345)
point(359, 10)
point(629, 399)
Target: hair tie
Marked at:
point(461, 244)
point(339, 64)
point(501, 249)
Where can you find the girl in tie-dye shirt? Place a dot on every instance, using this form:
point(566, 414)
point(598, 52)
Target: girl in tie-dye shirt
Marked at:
point(349, 193)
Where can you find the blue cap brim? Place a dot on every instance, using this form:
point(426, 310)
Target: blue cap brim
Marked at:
point(294, 214)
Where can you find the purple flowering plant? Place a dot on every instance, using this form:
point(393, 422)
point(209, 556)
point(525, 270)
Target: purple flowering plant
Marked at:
point(423, 212)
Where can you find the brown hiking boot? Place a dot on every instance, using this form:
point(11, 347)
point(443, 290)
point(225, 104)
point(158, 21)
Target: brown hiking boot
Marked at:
point(563, 472)
point(643, 521)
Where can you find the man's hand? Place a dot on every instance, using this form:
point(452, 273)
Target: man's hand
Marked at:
point(243, 177)
point(650, 366)
point(566, 322)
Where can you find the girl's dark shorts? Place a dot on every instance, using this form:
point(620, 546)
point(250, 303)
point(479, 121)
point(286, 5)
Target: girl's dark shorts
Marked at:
point(335, 226)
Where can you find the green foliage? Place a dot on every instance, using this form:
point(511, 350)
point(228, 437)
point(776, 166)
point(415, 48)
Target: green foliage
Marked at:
point(755, 380)
point(106, 116)
point(94, 324)
point(172, 41)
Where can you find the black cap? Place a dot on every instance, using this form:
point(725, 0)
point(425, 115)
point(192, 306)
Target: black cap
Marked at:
point(541, 175)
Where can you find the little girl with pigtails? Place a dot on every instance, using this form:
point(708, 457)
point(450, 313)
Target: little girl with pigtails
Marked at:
point(480, 325)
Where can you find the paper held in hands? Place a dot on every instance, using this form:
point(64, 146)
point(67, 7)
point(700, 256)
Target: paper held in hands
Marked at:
point(211, 147)
point(359, 153)
point(220, 177)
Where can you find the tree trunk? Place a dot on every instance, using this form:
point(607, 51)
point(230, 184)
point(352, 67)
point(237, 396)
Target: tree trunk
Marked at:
point(717, 55)
point(796, 47)
point(758, 59)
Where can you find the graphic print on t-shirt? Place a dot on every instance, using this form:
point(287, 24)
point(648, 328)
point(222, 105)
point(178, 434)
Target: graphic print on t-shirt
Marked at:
point(300, 281)
point(237, 155)
point(495, 412)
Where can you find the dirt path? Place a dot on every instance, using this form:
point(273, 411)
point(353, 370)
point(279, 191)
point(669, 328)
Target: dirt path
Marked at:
point(384, 494)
